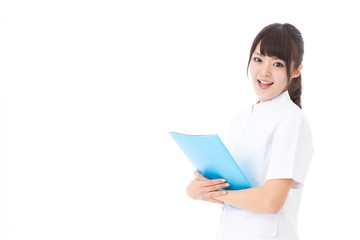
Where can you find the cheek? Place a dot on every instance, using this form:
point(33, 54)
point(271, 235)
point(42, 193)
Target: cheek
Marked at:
point(253, 69)
point(281, 77)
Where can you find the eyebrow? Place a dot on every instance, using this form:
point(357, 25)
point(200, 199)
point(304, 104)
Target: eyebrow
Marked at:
point(275, 58)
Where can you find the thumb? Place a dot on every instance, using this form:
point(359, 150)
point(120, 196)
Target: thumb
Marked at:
point(198, 175)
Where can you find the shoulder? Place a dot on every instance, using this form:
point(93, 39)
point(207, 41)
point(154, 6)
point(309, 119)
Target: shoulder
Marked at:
point(291, 112)
point(292, 118)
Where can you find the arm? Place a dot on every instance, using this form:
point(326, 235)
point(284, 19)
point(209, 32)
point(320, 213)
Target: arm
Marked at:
point(267, 199)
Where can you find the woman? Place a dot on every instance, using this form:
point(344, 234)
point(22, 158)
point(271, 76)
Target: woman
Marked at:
point(271, 142)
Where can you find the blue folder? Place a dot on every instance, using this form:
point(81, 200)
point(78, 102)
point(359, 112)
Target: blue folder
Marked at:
point(211, 158)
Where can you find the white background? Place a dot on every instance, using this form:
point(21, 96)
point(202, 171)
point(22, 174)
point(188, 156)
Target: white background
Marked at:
point(90, 90)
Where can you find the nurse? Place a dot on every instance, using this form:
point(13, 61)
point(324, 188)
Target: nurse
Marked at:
point(271, 142)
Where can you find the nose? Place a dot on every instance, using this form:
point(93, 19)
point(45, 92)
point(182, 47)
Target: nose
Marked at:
point(265, 70)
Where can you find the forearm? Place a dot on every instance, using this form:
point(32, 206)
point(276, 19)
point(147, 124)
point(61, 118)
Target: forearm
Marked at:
point(267, 199)
point(252, 199)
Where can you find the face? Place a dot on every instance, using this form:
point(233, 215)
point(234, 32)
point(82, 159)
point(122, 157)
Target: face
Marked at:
point(268, 75)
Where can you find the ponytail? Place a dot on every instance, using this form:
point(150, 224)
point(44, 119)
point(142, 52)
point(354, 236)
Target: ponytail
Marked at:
point(295, 90)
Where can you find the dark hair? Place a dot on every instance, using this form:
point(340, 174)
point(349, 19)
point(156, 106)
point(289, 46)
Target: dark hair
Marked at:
point(285, 42)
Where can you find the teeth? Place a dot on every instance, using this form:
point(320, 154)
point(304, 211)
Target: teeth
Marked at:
point(267, 83)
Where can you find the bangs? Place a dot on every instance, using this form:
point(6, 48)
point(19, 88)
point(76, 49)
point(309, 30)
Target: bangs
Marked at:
point(277, 43)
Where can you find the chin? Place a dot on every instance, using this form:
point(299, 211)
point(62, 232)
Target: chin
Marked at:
point(264, 97)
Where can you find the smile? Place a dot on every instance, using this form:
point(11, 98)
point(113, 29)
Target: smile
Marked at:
point(264, 84)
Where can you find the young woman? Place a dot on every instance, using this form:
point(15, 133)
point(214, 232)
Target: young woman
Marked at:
point(271, 142)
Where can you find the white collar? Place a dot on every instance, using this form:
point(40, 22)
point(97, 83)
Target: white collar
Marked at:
point(283, 97)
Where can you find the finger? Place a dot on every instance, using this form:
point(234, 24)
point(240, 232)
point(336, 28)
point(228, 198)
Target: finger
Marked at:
point(209, 198)
point(218, 193)
point(216, 201)
point(214, 182)
point(217, 187)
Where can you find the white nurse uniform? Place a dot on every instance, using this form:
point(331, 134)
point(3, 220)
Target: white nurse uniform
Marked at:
point(270, 140)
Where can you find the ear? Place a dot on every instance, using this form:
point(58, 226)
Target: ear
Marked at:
point(297, 72)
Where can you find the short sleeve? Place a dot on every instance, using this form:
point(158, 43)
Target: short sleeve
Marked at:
point(291, 151)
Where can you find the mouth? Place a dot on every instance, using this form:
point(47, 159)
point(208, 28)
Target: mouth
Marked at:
point(264, 84)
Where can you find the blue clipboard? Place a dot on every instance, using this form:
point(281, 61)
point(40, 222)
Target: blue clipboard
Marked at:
point(211, 158)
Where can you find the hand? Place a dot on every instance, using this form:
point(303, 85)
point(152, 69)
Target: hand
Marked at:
point(202, 188)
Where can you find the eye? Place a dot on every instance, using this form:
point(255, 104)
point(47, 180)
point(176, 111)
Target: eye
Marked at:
point(278, 64)
point(256, 59)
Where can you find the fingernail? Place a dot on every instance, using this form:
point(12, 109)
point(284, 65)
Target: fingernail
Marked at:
point(226, 184)
point(223, 180)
